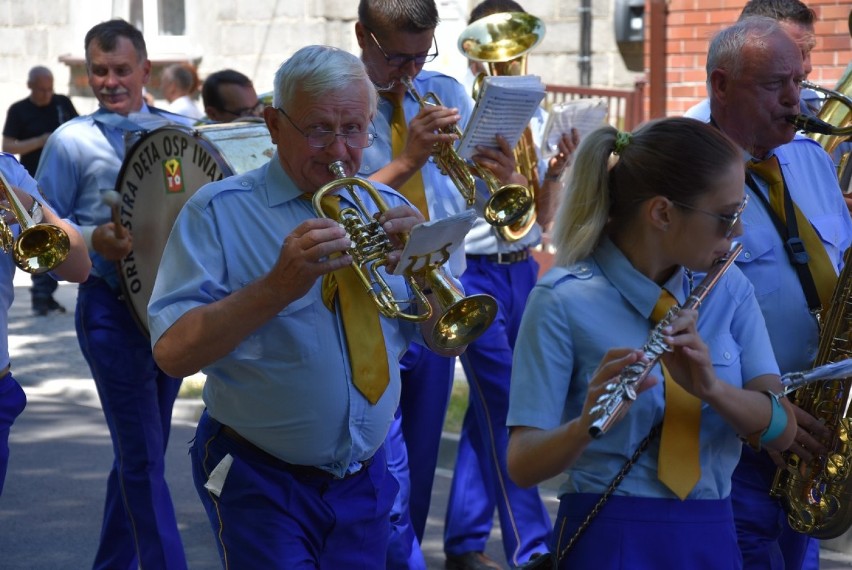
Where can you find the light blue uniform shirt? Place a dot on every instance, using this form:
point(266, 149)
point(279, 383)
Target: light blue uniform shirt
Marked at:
point(809, 175)
point(574, 315)
point(288, 386)
point(81, 160)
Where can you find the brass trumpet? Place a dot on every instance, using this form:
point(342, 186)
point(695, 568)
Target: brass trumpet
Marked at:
point(834, 121)
point(463, 320)
point(39, 247)
point(507, 204)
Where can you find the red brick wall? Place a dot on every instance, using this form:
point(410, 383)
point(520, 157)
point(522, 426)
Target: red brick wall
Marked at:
point(691, 23)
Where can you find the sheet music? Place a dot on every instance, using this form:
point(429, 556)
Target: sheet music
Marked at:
point(585, 115)
point(505, 106)
point(435, 239)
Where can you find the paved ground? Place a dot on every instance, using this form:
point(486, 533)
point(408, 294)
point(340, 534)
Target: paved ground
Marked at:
point(50, 511)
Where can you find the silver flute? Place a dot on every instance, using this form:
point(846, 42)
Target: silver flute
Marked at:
point(622, 391)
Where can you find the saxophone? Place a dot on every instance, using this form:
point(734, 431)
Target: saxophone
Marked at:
point(816, 494)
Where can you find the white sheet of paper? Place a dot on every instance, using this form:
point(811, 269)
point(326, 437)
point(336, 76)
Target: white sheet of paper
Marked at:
point(431, 241)
point(585, 115)
point(505, 106)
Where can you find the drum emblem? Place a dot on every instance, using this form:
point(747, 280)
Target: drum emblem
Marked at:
point(174, 175)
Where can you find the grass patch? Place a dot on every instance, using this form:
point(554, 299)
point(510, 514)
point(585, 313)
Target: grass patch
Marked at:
point(192, 386)
point(457, 407)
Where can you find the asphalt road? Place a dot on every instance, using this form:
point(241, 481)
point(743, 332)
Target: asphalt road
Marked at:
point(50, 510)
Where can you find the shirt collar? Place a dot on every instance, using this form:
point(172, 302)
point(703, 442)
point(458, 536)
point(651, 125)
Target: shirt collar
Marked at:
point(280, 188)
point(637, 289)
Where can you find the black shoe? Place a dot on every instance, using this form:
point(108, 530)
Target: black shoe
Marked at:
point(52, 305)
point(40, 310)
point(470, 561)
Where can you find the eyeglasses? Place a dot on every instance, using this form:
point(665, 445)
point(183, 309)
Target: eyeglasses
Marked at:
point(729, 220)
point(255, 110)
point(318, 138)
point(399, 59)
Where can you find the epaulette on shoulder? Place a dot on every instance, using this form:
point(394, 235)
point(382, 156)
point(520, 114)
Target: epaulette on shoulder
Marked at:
point(558, 275)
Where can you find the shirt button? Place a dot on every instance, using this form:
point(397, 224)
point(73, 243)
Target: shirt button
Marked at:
point(244, 183)
point(747, 255)
point(727, 356)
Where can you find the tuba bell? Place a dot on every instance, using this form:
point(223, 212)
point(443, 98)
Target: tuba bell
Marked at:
point(39, 247)
point(463, 320)
point(502, 42)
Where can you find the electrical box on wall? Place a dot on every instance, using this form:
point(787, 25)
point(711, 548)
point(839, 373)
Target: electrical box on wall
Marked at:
point(629, 30)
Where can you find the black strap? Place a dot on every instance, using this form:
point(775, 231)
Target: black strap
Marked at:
point(793, 244)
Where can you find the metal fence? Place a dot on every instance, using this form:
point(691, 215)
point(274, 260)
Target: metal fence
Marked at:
point(626, 106)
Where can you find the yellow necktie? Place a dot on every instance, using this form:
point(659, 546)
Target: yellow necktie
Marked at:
point(678, 465)
point(364, 338)
point(822, 271)
point(413, 187)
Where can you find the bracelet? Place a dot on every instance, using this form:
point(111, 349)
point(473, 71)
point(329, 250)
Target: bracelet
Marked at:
point(552, 177)
point(36, 213)
point(777, 422)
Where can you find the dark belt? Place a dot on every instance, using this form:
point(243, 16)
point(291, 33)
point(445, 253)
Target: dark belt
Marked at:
point(505, 258)
point(301, 471)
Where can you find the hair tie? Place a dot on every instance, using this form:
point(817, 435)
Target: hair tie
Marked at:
point(622, 139)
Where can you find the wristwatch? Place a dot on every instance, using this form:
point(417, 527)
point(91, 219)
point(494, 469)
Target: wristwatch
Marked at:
point(35, 212)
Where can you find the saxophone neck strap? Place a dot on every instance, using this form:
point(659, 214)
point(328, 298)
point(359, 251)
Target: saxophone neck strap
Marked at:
point(794, 246)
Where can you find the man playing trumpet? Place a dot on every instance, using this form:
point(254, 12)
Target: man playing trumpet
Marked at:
point(288, 457)
point(397, 37)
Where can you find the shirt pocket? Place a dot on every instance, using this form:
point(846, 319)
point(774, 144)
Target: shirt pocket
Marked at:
point(833, 231)
point(759, 260)
point(292, 336)
point(725, 354)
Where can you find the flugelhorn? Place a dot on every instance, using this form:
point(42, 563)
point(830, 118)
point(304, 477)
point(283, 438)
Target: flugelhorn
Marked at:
point(463, 319)
point(506, 205)
point(502, 42)
point(622, 390)
point(39, 247)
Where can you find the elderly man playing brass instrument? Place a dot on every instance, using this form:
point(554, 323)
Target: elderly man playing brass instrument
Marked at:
point(288, 456)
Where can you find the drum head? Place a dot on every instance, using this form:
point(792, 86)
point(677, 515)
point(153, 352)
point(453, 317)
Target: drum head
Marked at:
point(159, 174)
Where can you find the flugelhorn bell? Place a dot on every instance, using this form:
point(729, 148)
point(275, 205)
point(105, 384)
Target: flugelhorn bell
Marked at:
point(39, 247)
point(463, 319)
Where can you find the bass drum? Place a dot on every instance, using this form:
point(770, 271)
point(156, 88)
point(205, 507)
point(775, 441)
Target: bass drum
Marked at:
point(159, 174)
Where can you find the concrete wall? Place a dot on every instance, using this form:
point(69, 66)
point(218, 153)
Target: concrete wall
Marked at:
point(255, 36)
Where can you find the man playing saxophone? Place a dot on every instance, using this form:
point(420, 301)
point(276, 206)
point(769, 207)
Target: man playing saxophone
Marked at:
point(255, 288)
point(794, 237)
point(397, 37)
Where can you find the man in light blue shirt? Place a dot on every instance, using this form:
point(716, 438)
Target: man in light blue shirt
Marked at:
point(397, 38)
point(81, 160)
point(754, 69)
point(288, 457)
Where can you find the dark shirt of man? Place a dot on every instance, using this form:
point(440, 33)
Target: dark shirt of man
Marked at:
point(26, 120)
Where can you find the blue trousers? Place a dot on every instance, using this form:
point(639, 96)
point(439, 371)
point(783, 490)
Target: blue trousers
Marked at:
point(412, 450)
point(766, 539)
point(481, 480)
point(12, 403)
point(637, 533)
point(139, 526)
point(268, 517)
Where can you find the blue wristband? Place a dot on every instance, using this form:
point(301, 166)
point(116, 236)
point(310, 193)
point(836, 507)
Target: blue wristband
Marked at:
point(777, 422)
